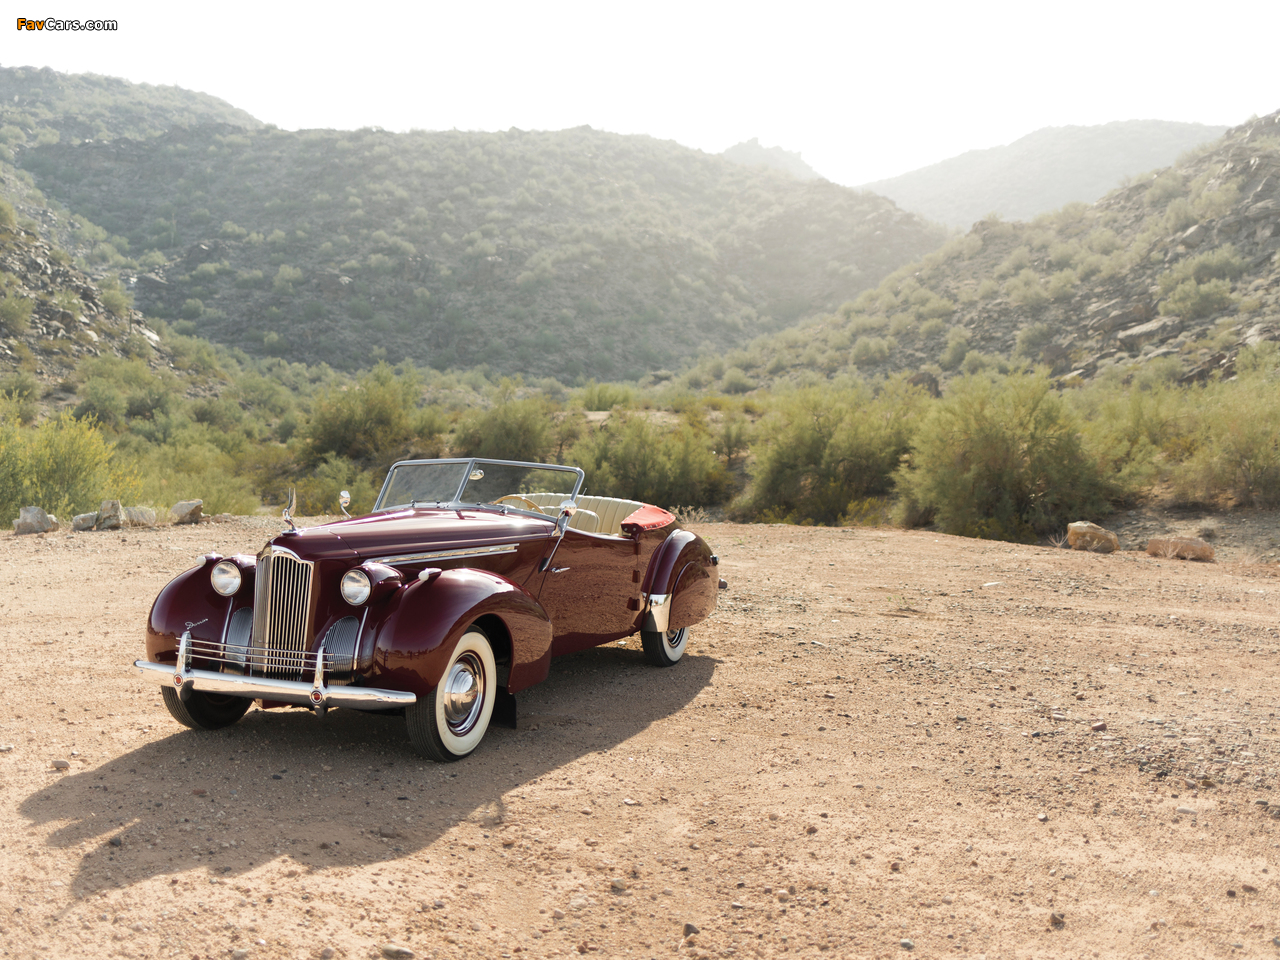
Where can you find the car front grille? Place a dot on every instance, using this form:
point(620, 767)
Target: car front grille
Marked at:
point(282, 614)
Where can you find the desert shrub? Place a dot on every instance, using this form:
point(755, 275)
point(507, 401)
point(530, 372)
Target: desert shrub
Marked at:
point(1194, 301)
point(62, 465)
point(1002, 460)
point(604, 396)
point(15, 314)
point(1017, 260)
point(19, 397)
point(1224, 263)
point(285, 278)
point(631, 457)
point(735, 380)
point(821, 450)
point(510, 430)
point(868, 351)
point(954, 352)
point(370, 422)
point(1062, 285)
point(1026, 290)
point(1235, 454)
point(987, 289)
point(318, 494)
point(8, 218)
point(1032, 339)
point(192, 466)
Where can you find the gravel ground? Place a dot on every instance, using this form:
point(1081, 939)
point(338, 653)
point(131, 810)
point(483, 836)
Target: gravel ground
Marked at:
point(883, 741)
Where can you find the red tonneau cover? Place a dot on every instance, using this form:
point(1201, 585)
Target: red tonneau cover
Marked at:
point(648, 518)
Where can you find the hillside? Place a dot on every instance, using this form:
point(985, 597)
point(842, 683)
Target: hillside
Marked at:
point(573, 254)
point(40, 105)
point(749, 153)
point(1042, 171)
point(1178, 267)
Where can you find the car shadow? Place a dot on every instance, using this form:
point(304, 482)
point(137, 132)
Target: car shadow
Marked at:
point(346, 790)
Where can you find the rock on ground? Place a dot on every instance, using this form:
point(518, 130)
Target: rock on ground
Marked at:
point(1084, 535)
point(1180, 548)
point(34, 520)
point(186, 511)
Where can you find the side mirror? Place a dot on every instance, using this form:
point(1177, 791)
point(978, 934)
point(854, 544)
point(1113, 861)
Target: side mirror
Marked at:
point(344, 501)
point(567, 510)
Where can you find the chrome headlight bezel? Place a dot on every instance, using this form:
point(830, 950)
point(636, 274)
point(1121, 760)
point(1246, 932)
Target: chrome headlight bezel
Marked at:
point(226, 578)
point(356, 587)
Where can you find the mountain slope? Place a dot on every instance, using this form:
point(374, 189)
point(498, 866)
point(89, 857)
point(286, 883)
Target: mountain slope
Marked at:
point(1179, 267)
point(572, 254)
point(1042, 171)
point(749, 153)
point(40, 105)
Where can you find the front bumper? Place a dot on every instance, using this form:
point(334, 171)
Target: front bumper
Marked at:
point(318, 696)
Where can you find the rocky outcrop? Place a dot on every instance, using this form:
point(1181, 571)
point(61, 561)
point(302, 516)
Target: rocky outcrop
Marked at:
point(34, 520)
point(1084, 535)
point(186, 511)
point(1180, 548)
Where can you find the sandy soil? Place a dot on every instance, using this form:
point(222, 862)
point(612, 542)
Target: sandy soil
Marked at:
point(881, 737)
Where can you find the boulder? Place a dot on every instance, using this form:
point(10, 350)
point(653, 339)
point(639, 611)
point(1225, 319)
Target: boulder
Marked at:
point(84, 521)
point(1154, 331)
point(1083, 535)
point(1180, 548)
point(139, 517)
point(110, 515)
point(1194, 236)
point(186, 511)
point(34, 520)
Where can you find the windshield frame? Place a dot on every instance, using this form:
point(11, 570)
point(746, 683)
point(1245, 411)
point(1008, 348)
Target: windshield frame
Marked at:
point(469, 465)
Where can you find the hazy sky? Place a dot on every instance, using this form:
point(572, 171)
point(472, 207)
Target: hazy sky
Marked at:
point(863, 91)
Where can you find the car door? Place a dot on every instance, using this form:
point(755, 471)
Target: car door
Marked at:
point(591, 590)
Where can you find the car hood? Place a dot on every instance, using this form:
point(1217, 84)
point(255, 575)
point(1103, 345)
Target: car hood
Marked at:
point(411, 530)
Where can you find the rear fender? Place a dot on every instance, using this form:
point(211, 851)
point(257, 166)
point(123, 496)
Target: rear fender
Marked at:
point(680, 586)
point(413, 641)
point(189, 598)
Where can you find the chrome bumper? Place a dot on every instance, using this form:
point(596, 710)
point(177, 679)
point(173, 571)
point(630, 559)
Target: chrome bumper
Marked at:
point(318, 696)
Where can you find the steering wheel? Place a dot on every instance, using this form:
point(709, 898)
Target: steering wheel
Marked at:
point(525, 500)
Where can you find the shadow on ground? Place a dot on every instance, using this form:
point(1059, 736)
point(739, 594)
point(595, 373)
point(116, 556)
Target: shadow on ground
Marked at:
point(346, 790)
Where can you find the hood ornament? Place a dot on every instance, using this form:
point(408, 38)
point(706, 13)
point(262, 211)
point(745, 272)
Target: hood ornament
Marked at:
point(288, 511)
point(344, 501)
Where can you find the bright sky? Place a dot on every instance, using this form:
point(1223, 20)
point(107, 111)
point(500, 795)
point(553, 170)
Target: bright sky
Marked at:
point(864, 91)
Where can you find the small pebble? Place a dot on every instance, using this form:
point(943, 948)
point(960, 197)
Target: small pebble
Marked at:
point(61, 764)
point(6, 747)
point(199, 792)
point(239, 953)
point(327, 953)
point(1042, 817)
point(437, 905)
point(557, 913)
point(1248, 888)
point(618, 884)
point(689, 929)
point(1057, 919)
point(906, 944)
point(1189, 811)
point(585, 811)
point(394, 951)
point(1231, 893)
point(1098, 727)
point(773, 816)
point(116, 842)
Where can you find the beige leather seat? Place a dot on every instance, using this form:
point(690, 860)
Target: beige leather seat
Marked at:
point(610, 511)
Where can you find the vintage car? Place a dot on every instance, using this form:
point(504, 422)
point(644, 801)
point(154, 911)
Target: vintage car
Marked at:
point(451, 596)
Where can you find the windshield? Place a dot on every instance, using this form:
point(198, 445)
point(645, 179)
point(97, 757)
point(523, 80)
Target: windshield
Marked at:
point(523, 486)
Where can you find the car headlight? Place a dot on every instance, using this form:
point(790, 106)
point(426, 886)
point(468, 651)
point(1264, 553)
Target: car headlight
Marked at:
point(225, 578)
point(356, 587)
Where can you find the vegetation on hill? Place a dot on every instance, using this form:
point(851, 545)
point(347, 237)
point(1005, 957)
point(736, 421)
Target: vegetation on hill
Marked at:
point(574, 254)
point(1181, 264)
point(41, 106)
point(749, 153)
point(1042, 171)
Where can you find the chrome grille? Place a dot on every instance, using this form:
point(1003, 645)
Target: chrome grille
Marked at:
point(282, 608)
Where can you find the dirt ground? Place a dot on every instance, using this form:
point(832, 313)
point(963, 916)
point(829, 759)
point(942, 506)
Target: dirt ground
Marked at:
point(882, 742)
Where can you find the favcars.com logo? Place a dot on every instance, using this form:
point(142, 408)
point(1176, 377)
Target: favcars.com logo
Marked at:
point(52, 23)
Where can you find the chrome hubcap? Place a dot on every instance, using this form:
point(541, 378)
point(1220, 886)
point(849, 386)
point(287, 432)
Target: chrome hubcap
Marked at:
point(673, 640)
point(463, 694)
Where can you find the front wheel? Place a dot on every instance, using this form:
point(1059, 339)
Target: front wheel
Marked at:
point(664, 648)
point(450, 721)
point(204, 711)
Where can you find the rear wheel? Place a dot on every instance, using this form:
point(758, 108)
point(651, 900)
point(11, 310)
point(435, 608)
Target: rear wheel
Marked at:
point(204, 711)
point(664, 648)
point(449, 722)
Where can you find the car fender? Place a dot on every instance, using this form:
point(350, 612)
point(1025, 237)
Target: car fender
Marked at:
point(189, 601)
point(413, 640)
point(680, 585)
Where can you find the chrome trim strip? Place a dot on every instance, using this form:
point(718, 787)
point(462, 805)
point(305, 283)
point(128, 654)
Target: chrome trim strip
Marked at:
point(289, 691)
point(460, 554)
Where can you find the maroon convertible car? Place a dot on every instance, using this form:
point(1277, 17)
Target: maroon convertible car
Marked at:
point(459, 587)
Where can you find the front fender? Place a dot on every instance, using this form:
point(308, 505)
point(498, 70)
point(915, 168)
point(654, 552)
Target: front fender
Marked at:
point(414, 640)
point(189, 598)
point(681, 584)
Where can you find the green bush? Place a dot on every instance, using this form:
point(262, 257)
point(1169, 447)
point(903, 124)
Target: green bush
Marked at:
point(62, 465)
point(510, 430)
point(318, 494)
point(1001, 460)
point(371, 422)
point(735, 380)
point(604, 396)
point(1224, 263)
point(15, 314)
point(1026, 290)
point(1194, 301)
point(1032, 339)
point(632, 457)
point(954, 352)
point(869, 351)
point(821, 450)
